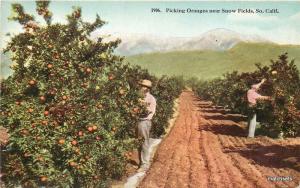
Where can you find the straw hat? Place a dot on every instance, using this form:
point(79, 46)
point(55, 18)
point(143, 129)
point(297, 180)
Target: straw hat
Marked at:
point(146, 83)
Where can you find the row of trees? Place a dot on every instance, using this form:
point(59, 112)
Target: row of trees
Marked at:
point(71, 105)
point(281, 115)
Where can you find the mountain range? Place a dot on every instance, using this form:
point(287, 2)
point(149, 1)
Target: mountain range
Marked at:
point(217, 39)
point(134, 44)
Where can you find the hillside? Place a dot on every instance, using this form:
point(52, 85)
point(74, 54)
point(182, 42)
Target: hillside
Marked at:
point(210, 64)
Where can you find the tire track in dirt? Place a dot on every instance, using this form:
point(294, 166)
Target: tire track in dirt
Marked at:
point(207, 148)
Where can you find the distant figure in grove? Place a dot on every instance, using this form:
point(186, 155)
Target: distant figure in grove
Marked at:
point(144, 125)
point(252, 97)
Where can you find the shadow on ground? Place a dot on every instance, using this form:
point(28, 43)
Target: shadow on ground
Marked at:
point(273, 156)
point(222, 122)
point(224, 129)
point(231, 117)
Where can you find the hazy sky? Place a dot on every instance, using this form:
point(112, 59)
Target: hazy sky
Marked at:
point(136, 17)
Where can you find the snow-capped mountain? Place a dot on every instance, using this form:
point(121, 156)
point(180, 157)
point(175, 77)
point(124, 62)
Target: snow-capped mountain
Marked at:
point(216, 39)
point(219, 39)
point(140, 43)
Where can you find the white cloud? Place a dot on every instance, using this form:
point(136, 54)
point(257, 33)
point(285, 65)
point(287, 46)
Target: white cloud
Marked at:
point(250, 17)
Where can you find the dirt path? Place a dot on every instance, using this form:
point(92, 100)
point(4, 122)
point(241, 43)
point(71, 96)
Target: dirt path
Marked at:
point(207, 148)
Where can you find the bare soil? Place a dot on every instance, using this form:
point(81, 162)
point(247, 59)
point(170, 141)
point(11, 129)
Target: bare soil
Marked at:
point(207, 147)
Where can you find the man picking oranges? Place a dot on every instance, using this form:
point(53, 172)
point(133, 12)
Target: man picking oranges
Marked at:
point(252, 97)
point(144, 125)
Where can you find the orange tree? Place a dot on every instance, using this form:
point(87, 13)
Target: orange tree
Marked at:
point(282, 115)
point(70, 106)
point(165, 91)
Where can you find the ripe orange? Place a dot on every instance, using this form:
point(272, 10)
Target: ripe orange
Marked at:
point(136, 109)
point(74, 142)
point(78, 167)
point(49, 66)
point(72, 163)
point(90, 129)
point(42, 98)
point(80, 133)
point(122, 91)
point(95, 127)
point(111, 77)
point(61, 141)
point(32, 82)
point(88, 70)
point(30, 110)
point(64, 97)
point(43, 178)
point(46, 113)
